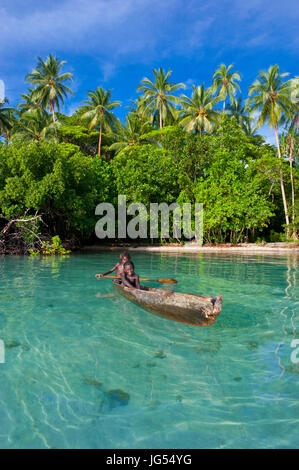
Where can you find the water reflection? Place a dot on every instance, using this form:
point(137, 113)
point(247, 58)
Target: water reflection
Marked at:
point(288, 312)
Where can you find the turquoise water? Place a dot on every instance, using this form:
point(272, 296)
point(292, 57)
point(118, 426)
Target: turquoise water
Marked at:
point(87, 371)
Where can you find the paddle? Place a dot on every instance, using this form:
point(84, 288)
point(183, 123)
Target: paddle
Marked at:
point(162, 281)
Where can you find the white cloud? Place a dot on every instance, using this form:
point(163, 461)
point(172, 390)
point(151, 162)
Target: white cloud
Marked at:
point(70, 22)
point(143, 28)
point(117, 33)
point(108, 70)
point(189, 82)
point(89, 25)
point(268, 134)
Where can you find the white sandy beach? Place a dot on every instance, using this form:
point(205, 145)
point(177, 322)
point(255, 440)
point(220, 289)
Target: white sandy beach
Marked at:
point(244, 248)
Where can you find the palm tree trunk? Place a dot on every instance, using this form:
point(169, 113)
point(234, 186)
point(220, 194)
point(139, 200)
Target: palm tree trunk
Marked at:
point(100, 140)
point(294, 234)
point(282, 186)
point(52, 110)
point(223, 106)
point(161, 125)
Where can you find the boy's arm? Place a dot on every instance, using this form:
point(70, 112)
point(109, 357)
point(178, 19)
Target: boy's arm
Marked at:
point(125, 281)
point(110, 271)
point(137, 282)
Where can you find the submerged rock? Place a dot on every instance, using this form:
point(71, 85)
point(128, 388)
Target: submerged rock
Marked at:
point(95, 382)
point(163, 376)
point(237, 379)
point(118, 397)
point(160, 354)
point(252, 345)
point(12, 344)
point(151, 364)
point(211, 347)
point(293, 369)
point(154, 404)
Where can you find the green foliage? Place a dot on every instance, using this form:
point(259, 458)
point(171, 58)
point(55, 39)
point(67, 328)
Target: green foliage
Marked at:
point(6, 117)
point(277, 237)
point(146, 174)
point(79, 135)
point(234, 194)
point(232, 176)
point(57, 180)
point(224, 172)
point(48, 248)
point(54, 248)
point(129, 134)
point(169, 149)
point(35, 125)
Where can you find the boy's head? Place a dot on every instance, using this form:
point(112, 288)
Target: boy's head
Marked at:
point(129, 268)
point(125, 256)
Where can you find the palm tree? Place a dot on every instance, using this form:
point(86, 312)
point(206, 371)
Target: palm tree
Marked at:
point(30, 101)
point(197, 112)
point(6, 118)
point(289, 141)
point(49, 90)
point(130, 134)
point(288, 146)
point(292, 119)
point(237, 109)
point(272, 99)
point(225, 82)
point(34, 126)
point(294, 84)
point(157, 94)
point(138, 108)
point(249, 128)
point(97, 110)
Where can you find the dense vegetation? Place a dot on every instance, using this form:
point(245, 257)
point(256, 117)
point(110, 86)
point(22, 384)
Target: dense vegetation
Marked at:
point(55, 169)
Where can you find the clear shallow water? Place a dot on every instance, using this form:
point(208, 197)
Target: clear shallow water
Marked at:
point(68, 349)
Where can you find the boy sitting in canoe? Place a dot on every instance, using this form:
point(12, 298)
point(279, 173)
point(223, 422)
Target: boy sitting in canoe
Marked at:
point(119, 267)
point(129, 277)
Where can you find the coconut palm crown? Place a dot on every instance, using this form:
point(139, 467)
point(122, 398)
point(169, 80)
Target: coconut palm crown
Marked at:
point(158, 94)
point(49, 88)
point(197, 112)
point(226, 83)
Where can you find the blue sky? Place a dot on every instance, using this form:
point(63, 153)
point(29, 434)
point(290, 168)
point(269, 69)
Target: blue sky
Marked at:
point(115, 43)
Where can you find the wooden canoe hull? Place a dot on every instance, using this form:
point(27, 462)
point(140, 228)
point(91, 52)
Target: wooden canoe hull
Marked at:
point(190, 309)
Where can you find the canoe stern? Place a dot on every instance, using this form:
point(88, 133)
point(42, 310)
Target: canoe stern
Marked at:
point(190, 309)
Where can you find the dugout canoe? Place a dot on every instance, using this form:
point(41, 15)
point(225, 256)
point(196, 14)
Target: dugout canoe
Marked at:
point(191, 309)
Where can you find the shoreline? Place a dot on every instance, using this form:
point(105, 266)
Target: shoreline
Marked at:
point(244, 248)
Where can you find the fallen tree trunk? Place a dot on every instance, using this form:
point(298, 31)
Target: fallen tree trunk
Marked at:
point(19, 235)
